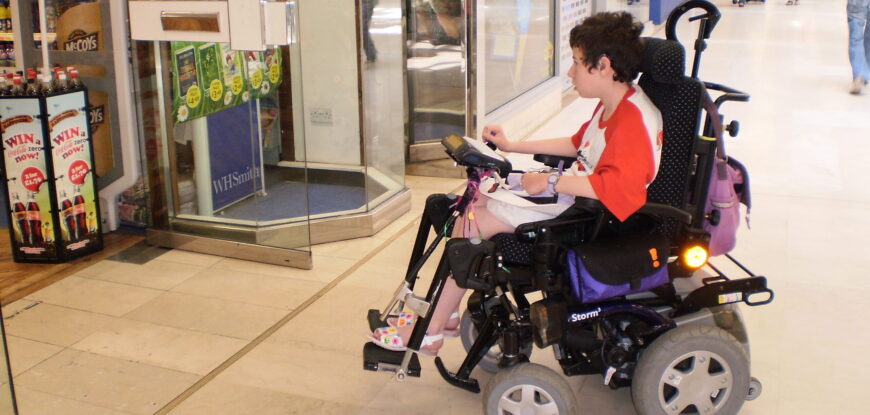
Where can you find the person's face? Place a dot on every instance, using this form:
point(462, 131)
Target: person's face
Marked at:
point(586, 80)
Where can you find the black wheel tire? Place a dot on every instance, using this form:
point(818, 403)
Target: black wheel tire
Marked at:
point(468, 334)
point(528, 386)
point(672, 359)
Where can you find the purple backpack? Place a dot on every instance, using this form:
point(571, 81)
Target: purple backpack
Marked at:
point(729, 187)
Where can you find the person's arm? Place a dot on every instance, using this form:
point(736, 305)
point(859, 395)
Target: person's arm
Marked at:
point(554, 146)
point(536, 183)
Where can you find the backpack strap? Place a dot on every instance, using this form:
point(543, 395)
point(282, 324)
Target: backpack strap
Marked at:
point(714, 119)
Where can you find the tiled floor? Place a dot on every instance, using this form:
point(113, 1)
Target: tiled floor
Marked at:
point(120, 338)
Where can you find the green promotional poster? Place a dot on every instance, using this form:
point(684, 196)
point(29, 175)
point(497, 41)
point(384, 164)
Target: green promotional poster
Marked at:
point(74, 185)
point(27, 180)
point(210, 77)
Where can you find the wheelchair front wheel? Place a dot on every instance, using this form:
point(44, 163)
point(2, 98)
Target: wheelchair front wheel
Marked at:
point(468, 334)
point(528, 388)
point(699, 366)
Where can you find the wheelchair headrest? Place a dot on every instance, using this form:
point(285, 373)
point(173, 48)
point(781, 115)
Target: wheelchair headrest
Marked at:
point(664, 60)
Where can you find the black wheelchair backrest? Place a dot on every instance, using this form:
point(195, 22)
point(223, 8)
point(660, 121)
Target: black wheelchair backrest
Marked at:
point(679, 99)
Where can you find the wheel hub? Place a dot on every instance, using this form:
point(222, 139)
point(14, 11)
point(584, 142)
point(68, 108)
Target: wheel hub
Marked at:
point(701, 379)
point(527, 400)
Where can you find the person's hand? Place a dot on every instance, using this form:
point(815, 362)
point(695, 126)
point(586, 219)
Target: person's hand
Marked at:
point(495, 135)
point(534, 183)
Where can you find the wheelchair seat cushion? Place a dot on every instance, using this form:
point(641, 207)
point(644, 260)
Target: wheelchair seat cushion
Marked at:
point(512, 250)
point(618, 266)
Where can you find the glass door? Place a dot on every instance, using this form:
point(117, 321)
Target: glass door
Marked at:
point(220, 108)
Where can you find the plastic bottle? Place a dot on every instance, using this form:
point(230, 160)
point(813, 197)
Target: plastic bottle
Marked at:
point(17, 86)
point(75, 84)
point(67, 217)
point(80, 211)
point(32, 87)
point(34, 219)
point(19, 217)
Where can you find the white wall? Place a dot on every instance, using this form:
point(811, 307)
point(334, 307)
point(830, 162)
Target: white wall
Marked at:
point(328, 80)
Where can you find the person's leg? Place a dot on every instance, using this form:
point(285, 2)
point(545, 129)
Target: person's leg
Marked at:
point(857, 20)
point(451, 294)
point(866, 75)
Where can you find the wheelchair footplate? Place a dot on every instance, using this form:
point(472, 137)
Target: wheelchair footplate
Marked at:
point(721, 290)
point(378, 359)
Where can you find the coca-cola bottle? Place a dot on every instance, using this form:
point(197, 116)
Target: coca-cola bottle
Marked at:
point(17, 86)
point(66, 215)
point(47, 85)
point(32, 88)
point(80, 211)
point(75, 84)
point(19, 218)
point(34, 219)
point(59, 82)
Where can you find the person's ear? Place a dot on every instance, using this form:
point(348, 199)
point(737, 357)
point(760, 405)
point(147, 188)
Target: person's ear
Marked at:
point(603, 63)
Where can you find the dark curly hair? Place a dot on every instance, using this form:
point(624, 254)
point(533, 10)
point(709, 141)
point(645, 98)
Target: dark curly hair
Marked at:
point(612, 34)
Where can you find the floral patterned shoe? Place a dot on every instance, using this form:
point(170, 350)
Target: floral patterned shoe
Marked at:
point(407, 319)
point(389, 339)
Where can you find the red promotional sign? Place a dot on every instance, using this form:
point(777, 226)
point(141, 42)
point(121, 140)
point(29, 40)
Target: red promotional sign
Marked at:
point(32, 178)
point(78, 170)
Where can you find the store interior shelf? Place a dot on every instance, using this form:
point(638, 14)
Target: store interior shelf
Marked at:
point(38, 36)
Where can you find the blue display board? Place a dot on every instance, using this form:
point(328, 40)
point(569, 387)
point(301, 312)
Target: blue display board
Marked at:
point(660, 9)
point(235, 153)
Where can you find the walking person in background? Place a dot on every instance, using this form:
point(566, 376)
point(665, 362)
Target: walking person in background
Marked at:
point(858, 13)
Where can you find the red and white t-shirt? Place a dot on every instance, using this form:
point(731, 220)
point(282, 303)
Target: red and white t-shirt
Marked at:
point(621, 155)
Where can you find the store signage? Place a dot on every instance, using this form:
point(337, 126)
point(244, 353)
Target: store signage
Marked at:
point(234, 154)
point(26, 173)
point(75, 190)
point(210, 77)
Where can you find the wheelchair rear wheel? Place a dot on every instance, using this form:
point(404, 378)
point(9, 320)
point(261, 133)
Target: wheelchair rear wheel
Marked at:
point(468, 334)
point(528, 388)
point(703, 367)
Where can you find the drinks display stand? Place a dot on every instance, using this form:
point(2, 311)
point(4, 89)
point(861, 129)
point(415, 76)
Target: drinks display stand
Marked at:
point(48, 175)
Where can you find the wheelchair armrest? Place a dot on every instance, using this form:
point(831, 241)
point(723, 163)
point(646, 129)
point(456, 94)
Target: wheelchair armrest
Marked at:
point(669, 211)
point(553, 161)
point(649, 208)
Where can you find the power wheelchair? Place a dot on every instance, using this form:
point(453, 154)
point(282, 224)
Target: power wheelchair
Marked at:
point(681, 345)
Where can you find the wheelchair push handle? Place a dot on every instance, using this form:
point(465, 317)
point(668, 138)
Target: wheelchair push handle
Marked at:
point(710, 19)
point(708, 23)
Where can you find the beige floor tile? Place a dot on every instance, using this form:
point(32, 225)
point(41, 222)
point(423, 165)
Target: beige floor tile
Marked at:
point(351, 249)
point(55, 325)
point(227, 398)
point(33, 402)
point(334, 323)
point(24, 353)
point(402, 222)
point(257, 289)
point(377, 277)
point(190, 258)
point(161, 275)
point(415, 397)
point(166, 347)
point(106, 382)
point(209, 315)
point(16, 307)
point(325, 268)
point(94, 295)
point(300, 370)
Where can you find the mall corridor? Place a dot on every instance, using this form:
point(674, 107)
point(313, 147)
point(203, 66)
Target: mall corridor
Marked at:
point(189, 333)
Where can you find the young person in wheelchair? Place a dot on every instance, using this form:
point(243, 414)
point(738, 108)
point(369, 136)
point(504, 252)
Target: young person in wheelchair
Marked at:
point(616, 229)
point(618, 152)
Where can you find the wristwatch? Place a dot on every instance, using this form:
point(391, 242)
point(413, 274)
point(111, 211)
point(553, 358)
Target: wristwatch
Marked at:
point(552, 179)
